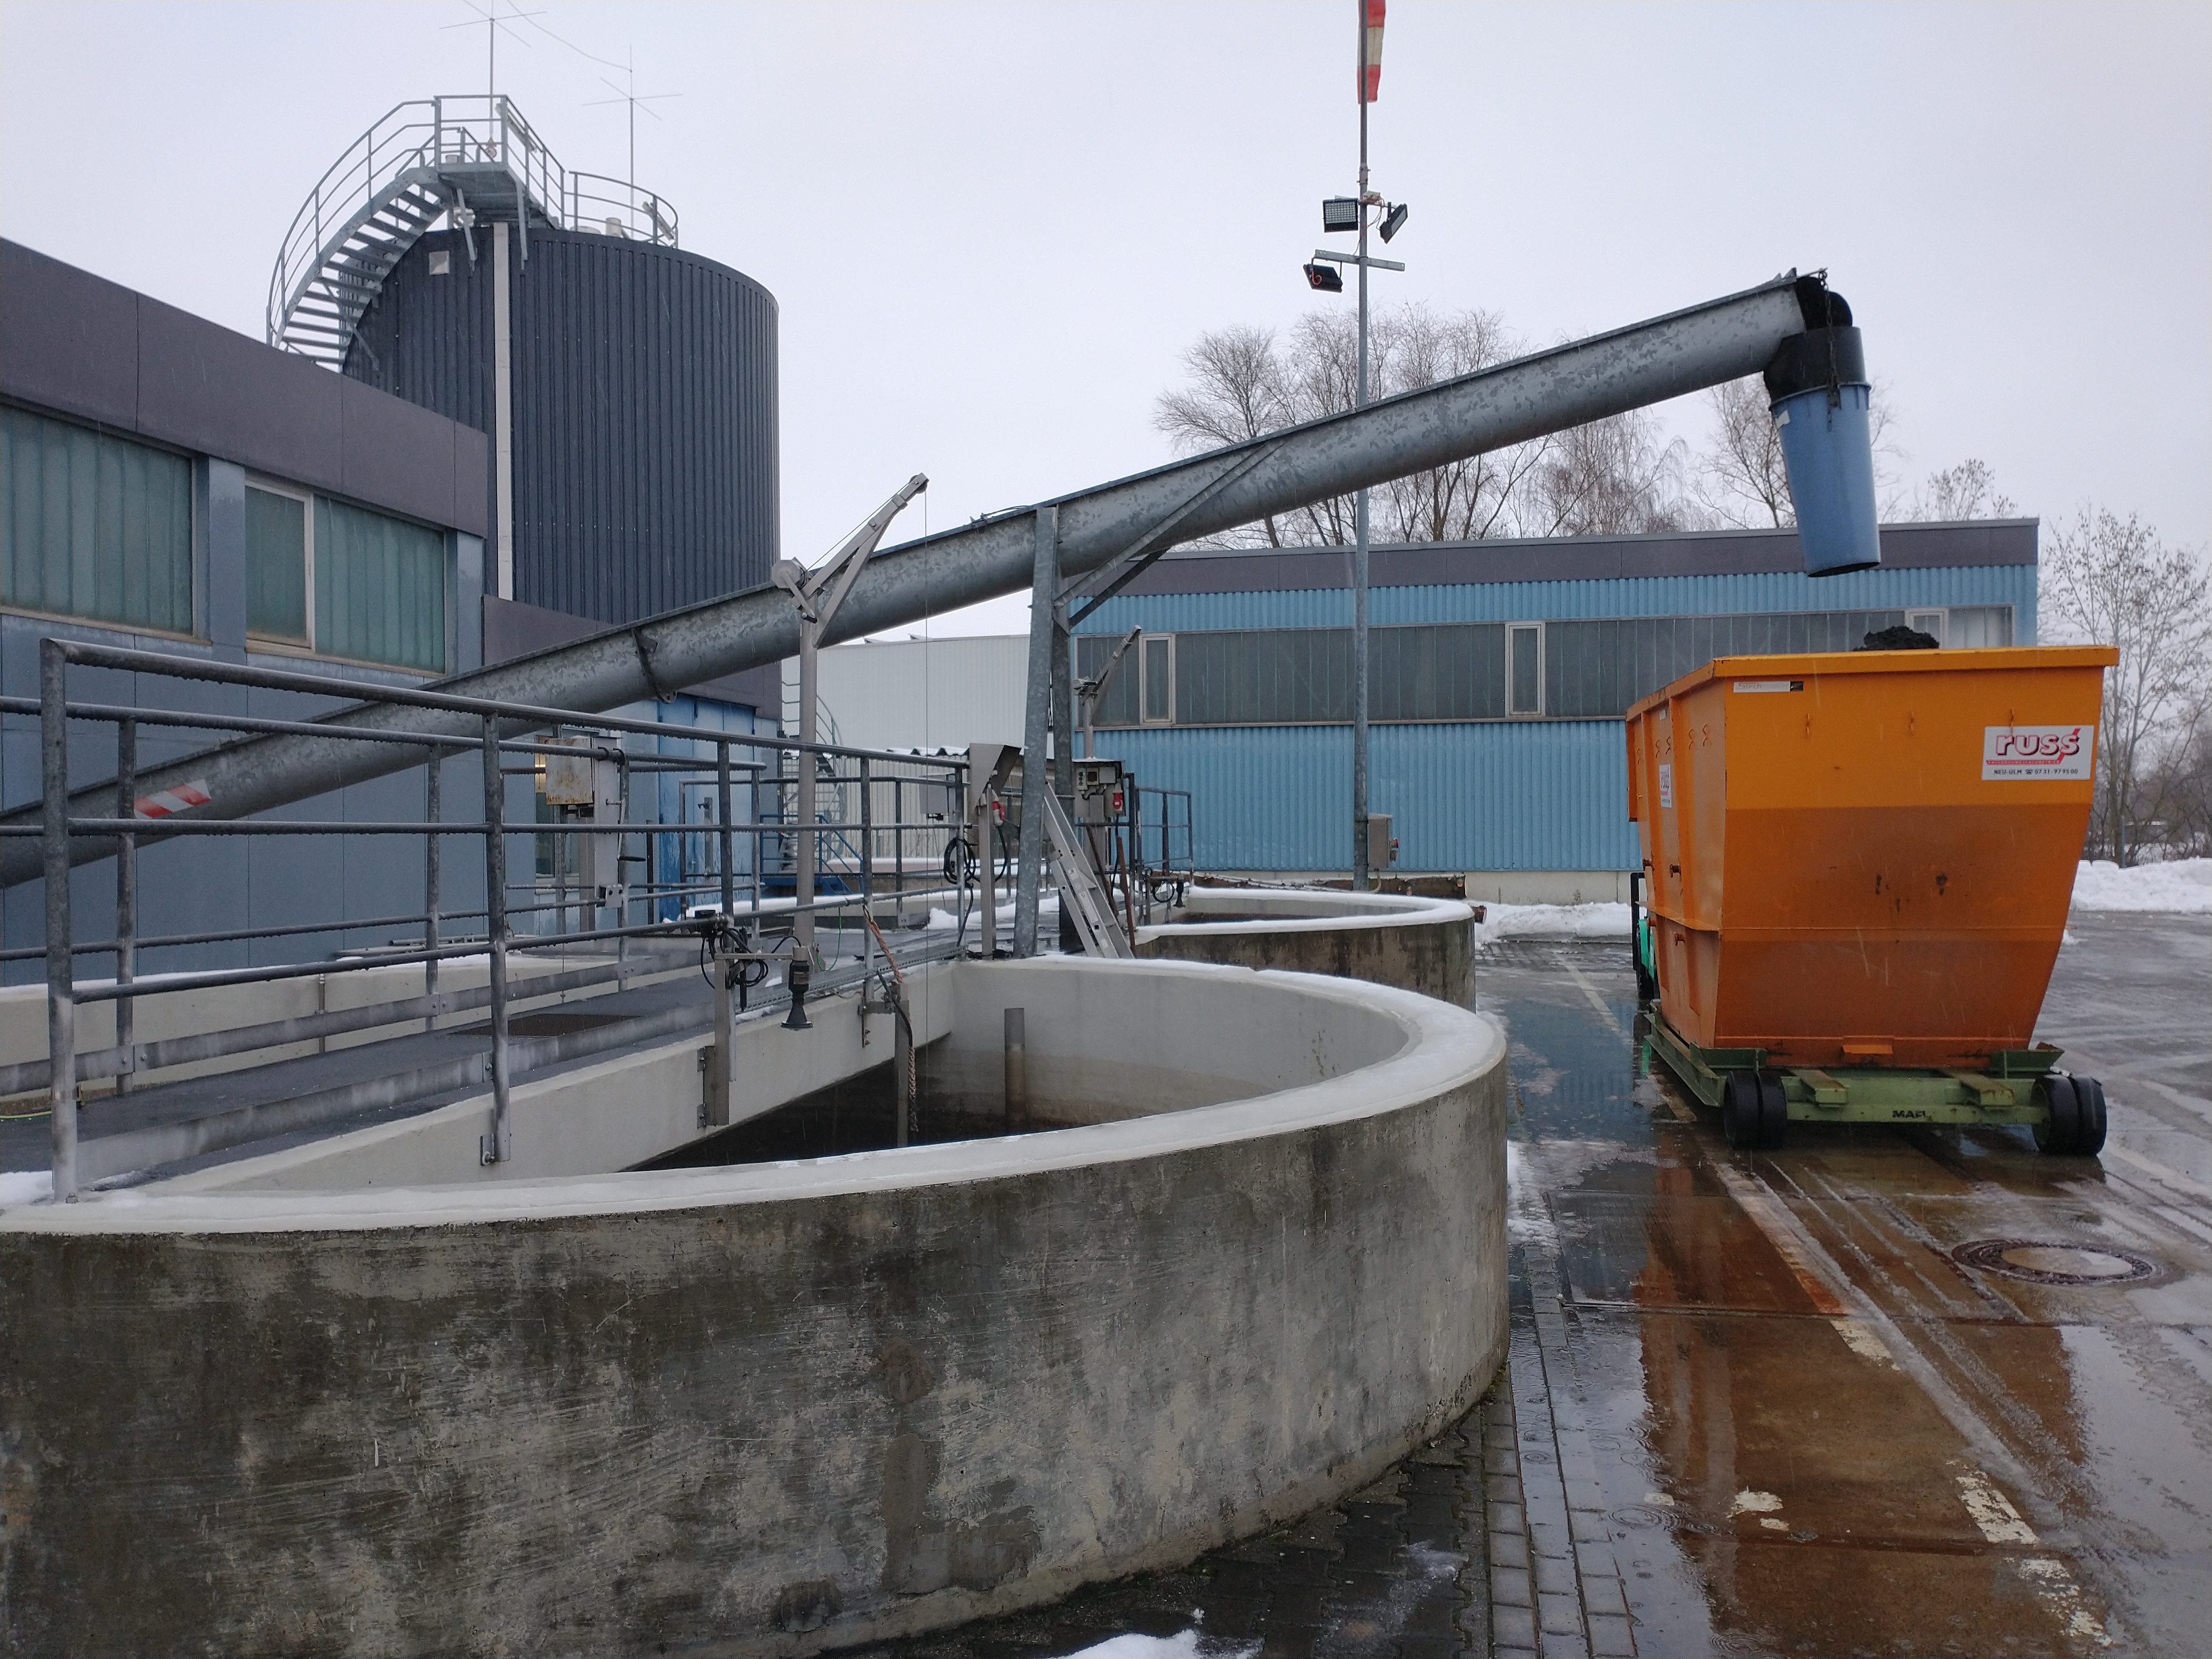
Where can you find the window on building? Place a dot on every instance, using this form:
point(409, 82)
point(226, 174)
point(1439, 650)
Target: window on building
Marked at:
point(1574, 669)
point(1930, 623)
point(342, 581)
point(1158, 678)
point(379, 588)
point(277, 569)
point(1971, 627)
point(1524, 669)
point(94, 526)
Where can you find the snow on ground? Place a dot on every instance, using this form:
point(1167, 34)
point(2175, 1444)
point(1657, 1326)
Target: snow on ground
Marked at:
point(2184, 885)
point(18, 1187)
point(1551, 921)
point(1183, 1645)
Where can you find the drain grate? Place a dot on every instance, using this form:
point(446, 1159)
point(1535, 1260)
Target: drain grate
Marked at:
point(2045, 1261)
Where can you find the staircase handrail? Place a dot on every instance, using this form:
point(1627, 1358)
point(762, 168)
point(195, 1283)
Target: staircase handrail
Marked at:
point(427, 135)
point(351, 181)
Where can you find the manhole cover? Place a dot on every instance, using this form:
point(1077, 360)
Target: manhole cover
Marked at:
point(2041, 1261)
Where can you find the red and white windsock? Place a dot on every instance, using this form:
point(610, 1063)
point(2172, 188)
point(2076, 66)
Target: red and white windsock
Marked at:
point(1370, 49)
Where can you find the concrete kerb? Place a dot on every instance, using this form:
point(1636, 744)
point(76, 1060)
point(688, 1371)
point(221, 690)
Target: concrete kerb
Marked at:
point(1423, 945)
point(859, 1397)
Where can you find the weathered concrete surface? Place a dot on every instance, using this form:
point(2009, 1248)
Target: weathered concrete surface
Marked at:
point(1416, 944)
point(761, 1409)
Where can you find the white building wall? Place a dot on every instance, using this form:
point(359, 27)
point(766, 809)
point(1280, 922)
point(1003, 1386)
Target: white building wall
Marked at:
point(920, 694)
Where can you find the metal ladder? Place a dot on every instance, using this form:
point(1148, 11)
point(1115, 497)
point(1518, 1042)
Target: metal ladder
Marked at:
point(1090, 907)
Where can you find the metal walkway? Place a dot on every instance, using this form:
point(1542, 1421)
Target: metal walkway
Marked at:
point(401, 1077)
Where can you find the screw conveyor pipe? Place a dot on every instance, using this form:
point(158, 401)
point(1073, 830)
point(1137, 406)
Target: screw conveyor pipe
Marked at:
point(1568, 385)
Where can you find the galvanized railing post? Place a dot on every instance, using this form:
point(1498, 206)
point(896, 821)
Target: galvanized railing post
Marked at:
point(60, 984)
point(498, 1145)
point(725, 845)
point(126, 896)
point(433, 792)
point(867, 876)
point(898, 851)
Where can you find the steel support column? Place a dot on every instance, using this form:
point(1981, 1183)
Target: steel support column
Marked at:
point(1036, 726)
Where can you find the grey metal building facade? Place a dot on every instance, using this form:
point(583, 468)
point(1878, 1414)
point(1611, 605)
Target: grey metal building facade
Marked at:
point(151, 464)
point(1499, 674)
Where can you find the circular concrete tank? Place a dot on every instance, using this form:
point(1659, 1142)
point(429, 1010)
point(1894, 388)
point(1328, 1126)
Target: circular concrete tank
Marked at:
point(773, 1408)
point(1423, 945)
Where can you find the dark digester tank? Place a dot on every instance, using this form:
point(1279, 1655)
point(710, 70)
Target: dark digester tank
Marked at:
point(644, 408)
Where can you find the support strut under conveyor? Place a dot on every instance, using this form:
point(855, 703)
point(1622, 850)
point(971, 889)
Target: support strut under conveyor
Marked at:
point(1112, 524)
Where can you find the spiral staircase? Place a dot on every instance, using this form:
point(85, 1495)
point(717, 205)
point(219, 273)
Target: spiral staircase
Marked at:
point(465, 160)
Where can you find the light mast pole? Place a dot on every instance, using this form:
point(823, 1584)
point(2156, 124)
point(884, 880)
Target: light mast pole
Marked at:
point(1360, 874)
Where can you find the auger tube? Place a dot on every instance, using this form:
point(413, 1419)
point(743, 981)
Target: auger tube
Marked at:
point(1568, 385)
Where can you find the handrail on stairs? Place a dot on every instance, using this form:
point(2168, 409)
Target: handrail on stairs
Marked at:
point(409, 148)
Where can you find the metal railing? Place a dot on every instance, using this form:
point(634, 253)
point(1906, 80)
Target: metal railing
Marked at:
point(421, 140)
point(683, 900)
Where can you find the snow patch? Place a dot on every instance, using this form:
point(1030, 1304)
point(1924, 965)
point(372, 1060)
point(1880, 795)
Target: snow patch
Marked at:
point(1182, 1645)
point(2183, 884)
point(18, 1187)
point(1551, 921)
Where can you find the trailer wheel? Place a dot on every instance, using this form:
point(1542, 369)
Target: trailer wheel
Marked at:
point(2058, 1133)
point(2089, 1140)
point(1743, 1112)
point(1773, 1112)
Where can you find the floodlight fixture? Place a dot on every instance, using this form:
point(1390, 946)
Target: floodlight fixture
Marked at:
point(1325, 278)
point(1340, 213)
point(1394, 222)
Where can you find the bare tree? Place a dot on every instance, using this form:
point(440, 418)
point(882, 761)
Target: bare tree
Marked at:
point(2177, 795)
point(2113, 580)
point(1614, 477)
point(1740, 480)
point(1464, 500)
point(1246, 381)
point(1235, 391)
point(1968, 491)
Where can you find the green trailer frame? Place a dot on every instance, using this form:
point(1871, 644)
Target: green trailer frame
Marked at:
point(2014, 1085)
point(2008, 1091)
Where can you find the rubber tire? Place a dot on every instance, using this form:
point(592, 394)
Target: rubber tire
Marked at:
point(1773, 1113)
point(2058, 1133)
point(1743, 1115)
point(2089, 1139)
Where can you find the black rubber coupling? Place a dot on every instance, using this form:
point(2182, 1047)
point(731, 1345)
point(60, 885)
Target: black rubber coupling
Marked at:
point(1818, 357)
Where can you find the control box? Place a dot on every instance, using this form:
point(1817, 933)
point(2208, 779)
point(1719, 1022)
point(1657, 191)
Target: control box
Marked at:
point(1382, 845)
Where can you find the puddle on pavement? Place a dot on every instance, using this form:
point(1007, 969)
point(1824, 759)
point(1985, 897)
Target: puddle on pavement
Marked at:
point(1775, 1481)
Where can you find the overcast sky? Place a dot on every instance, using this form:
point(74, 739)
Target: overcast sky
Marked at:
point(991, 229)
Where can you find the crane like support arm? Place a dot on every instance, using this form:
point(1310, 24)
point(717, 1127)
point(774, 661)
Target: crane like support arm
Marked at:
point(835, 574)
point(1568, 385)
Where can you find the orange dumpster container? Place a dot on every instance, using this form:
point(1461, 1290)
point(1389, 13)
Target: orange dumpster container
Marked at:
point(1864, 859)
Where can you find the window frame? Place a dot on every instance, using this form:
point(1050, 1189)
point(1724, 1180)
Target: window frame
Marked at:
point(194, 508)
point(1512, 630)
point(276, 645)
point(309, 499)
point(1915, 615)
point(1144, 643)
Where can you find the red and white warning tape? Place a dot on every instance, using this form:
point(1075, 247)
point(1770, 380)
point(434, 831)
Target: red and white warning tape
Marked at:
point(169, 802)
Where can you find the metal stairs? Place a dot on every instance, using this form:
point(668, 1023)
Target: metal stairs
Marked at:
point(464, 159)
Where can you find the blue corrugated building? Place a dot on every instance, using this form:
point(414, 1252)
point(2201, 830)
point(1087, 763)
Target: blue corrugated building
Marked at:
point(1499, 671)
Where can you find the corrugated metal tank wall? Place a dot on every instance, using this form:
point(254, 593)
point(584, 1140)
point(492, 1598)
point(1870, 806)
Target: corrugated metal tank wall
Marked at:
point(645, 411)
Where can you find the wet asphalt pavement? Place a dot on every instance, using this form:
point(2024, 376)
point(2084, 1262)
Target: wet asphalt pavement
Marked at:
point(1758, 1404)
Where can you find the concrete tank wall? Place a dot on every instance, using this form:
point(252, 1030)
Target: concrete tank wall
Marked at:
point(764, 1409)
point(1416, 944)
